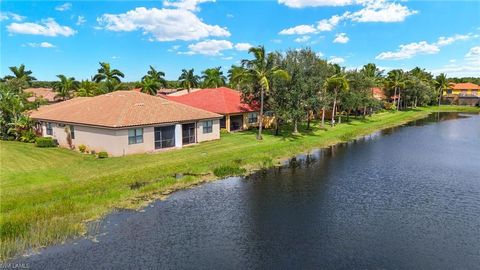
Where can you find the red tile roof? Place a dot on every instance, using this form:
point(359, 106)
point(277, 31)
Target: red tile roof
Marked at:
point(464, 86)
point(45, 93)
point(378, 93)
point(120, 109)
point(221, 100)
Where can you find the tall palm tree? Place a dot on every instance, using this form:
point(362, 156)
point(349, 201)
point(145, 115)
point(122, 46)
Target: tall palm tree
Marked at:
point(260, 71)
point(88, 89)
point(396, 81)
point(156, 75)
point(149, 86)
point(111, 77)
point(335, 85)
point(442, 84)
point(371, 71)
point(188, 79)
point(20, 73)
point(213, 77)
point(65, 86)
point(235, 74)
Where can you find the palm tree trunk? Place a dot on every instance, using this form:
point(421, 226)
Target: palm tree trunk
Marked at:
point(323, 116)
point(395, 98)
point(308, 120)
point(260, 120)
point(440, 96)
point(364, 110)
point(399, 99)
point(333, 108)
point(295, 126)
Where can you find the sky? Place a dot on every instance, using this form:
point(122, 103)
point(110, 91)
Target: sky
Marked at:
point(72, 37)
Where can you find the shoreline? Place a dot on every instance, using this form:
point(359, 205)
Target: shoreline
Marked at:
point(144, 196)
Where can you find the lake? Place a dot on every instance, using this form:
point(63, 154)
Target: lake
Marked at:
point(402, 198)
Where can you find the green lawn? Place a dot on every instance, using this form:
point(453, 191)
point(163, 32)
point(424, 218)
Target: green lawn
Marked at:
point(48, 194)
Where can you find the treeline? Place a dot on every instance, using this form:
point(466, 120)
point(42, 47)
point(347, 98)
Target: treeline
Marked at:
point(294, 86)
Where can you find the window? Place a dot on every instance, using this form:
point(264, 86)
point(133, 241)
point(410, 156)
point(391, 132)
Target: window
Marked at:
point(207, 126)
point(135, 135)
point(72, 132)
point(49, 128)
point(252, 118)
point(449, 91)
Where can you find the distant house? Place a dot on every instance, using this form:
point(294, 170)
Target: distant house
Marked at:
point(126, 122)
point(225, 101)
point(378, 93)
point(46, 94)
point(462, 93)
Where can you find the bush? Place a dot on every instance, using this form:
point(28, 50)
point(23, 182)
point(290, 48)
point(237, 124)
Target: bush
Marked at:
point(45, 142)
point(102, 154)
point(227, 170)
point(28, 136)
point(82, 148)
point(93, 152)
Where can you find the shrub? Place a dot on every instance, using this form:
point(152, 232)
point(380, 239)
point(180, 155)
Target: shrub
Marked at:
point(28, 136)
point(102, 154)
point(45, 142)
point(223, 131)
point(228, 170)
point(82, 148)
point(93, 152)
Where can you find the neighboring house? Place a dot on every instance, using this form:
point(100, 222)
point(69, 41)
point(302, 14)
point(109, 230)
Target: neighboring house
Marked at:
point(225, 101)
point(462, 93)
point(46, 94)
point(378, 93)
point(126, 122)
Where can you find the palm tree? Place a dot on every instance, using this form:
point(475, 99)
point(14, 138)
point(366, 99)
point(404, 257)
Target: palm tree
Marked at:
point(65, 86)
point(442, 84)
point(110, 76)
point(150, 86)
point(260, 71)
point(371, 71)
point(235, 74)
point(88, 89)
point(20, 73)
point(188, 79)
point(396, 80)
point(213, 77)
point(156, 75)
point(334, 85)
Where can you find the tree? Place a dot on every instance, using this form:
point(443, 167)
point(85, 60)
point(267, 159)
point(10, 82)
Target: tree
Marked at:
point(188, 79)
point(213, 77)
point(235, 75)
point(260, 71)
point(396, 80)
point(334, 85)
point(442, 84)
point(88, 89)
point(157, 76)
point(21, 74)
point(65, 86)
point(111, 77)
point(150, 86)
point(12, 104)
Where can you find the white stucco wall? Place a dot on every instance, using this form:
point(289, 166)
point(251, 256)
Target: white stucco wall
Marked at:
point(215, 135)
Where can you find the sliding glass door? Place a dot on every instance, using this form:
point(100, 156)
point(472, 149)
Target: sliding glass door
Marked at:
point(164, 137)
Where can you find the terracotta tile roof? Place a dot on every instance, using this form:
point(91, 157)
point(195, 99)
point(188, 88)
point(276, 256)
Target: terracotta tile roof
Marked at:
point(464, 86)
point(221, 100)
point(120, 109)
point(45, 93)
point(378, 93)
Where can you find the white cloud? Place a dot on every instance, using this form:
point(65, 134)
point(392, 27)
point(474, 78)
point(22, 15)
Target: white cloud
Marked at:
point(319, 54)
point(382, 11)
point(473, 52)
point(174, 48)
point(48, 27)
point(470, 66)
point(314, 3)
point(336, 60)
point(442, 41)
point(407, 51)
point(227, 58)
point(64, 7)
point(81, 20)
point(162, 24)
point(210, 47)
point(326, 25)
point(191, 5)
point(341, 38)
point(299, 30)
point(302, 39)
point(40, 45)
point(10, 16)
point(243, 46)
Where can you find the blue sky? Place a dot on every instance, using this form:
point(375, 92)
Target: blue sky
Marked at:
point(71, 37)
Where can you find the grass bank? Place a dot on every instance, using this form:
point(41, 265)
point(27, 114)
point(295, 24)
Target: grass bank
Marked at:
point(47, 195)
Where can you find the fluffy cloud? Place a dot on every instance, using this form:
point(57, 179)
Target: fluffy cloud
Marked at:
point(243, 46)
point(64, 7)
point(162, 24)
point(407, 51)
point(302, 39)
point(48, 27)
point(336, 60)
point(382, 11)
point(10, 16)
point(81, 20)
point(314, 3)
point(210, 47)
point(341, 38)
point(299, 30)
point(41, 45)
point(185, 4)
point(473, 52)
point(329, 24)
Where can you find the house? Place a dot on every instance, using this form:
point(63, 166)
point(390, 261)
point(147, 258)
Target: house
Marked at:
point(126, 122)
point(46, 94)
point(225, 101)
point(378, 93)
point(462, 94)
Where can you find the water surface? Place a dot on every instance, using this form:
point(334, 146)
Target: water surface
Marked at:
point(403, 198)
